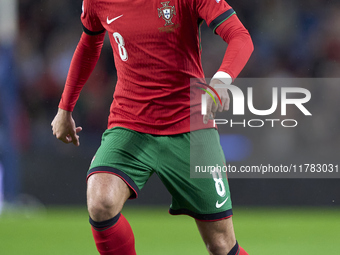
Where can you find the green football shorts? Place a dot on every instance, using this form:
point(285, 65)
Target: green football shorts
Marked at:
point(135, 156)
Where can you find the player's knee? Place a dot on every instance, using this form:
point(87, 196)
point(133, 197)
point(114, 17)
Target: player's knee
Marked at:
point(217, 247)
point(102, 208)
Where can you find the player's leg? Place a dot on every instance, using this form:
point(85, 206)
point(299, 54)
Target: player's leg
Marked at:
point(117, 173)
point(203, 195)
point(219, 237)
point(217, 228)
point(106, 195)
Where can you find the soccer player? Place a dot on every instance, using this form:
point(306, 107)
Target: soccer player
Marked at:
point(156, 47)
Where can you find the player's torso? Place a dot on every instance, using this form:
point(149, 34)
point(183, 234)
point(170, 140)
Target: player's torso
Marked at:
point(157, 50)
point(149, 37)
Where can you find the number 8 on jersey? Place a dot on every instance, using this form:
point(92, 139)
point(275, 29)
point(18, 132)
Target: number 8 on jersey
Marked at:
point(122, 50)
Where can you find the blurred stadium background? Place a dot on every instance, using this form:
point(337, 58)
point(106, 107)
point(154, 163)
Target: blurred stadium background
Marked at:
point(42, 181)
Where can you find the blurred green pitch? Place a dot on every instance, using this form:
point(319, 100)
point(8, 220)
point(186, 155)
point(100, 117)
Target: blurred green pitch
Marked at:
point(262, 231)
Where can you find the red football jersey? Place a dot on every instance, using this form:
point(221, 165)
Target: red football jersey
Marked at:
point(156, 48)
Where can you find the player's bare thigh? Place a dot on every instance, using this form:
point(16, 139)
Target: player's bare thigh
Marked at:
point(106, 195)
point(219, 236)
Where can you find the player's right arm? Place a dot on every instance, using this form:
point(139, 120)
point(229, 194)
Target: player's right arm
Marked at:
point(83, 62)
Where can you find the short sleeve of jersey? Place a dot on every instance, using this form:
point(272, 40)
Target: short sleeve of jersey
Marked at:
point(89, 19)
point(214, 12)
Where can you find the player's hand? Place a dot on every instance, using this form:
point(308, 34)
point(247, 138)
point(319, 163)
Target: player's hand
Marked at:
point(212, 108)
point(64, 127)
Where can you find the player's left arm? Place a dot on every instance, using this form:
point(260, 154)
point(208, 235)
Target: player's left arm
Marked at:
point(239, 50)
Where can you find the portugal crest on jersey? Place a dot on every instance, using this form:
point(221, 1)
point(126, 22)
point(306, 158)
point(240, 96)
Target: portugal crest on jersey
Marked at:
point(166, 12)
